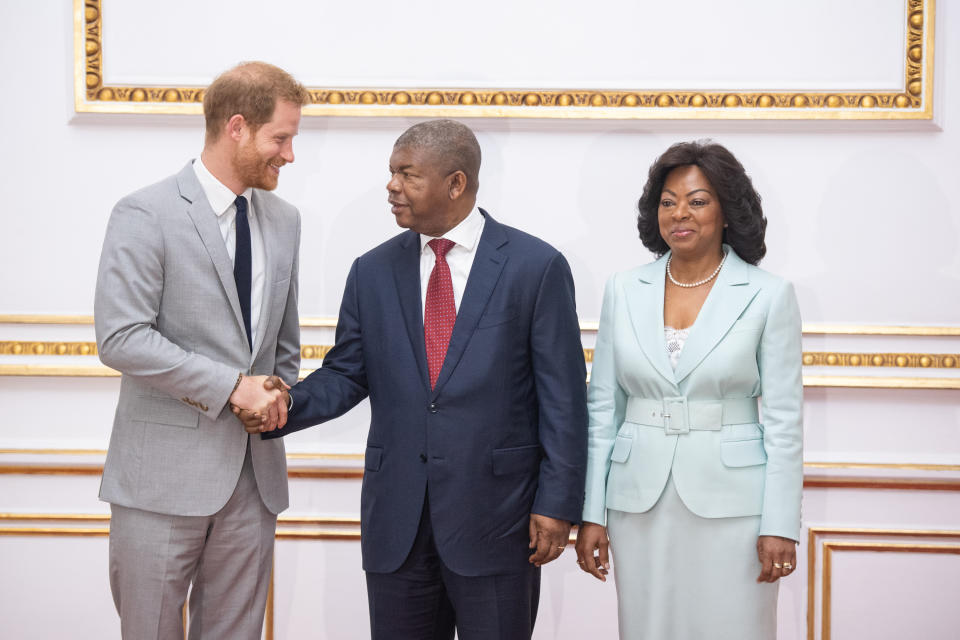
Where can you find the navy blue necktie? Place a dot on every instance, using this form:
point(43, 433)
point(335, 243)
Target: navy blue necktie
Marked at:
point(242, 264)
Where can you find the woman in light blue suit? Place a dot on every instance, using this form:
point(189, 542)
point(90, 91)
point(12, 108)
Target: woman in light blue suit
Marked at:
point(697, 487)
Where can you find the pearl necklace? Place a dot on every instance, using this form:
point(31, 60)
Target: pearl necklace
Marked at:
point(699, 282)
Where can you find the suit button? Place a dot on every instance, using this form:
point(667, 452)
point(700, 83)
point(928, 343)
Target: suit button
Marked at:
point(433, 407)
point(423, 458)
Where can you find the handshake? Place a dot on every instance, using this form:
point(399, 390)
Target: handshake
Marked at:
point(260, 402)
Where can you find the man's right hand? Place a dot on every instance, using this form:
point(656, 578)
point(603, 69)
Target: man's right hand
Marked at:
point(261, 403)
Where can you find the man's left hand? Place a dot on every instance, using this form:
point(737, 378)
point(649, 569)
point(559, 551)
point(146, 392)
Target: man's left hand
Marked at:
point(548, 538)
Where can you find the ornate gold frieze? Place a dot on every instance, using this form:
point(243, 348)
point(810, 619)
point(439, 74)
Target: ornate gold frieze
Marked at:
point(587, 326)
point(319, 351)
point(901, 360)
point(31, 348)
point(912, 101)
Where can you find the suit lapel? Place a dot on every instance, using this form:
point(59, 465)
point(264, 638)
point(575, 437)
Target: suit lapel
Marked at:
point(205, 220)
point(487, 266)
point(406, 274)
point(644, 295)
point(731, 294)
point(270, 236)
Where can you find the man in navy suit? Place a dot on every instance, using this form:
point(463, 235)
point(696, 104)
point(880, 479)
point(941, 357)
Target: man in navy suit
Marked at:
point(470, 353)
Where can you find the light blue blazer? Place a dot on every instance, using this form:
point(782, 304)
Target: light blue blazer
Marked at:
point(701, 422)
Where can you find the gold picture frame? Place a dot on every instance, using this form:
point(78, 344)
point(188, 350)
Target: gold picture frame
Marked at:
point(913, 101)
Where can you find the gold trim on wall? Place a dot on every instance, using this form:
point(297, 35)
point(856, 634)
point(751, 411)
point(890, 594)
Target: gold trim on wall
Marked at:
point(587, 326)
point(319, 351)
point(850, 382)
point(913, 101)
point(46, 348)
point(820, 328)
point(880, 382)
point(830, 547)
point(358, 457)
point(901, 360)
point(814, 532)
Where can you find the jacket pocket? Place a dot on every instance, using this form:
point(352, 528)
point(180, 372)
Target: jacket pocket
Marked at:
point(621, 449)
point(494, 318)
point(743, 453)
point(372, 458)
point(748, 323)
point(516, 460)
point(168, 411)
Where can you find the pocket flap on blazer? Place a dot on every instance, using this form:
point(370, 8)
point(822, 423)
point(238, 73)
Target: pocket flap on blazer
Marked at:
point(493, 318)
point(516, 460)
point(372, 458)
point(743, 453)
point(165, 411)
point(748, 323)
point(621, 448)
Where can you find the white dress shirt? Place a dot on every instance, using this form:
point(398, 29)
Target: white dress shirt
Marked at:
point(221, 200)
point(466, 237)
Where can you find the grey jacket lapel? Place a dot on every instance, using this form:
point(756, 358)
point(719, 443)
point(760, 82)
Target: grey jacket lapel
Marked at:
point(731, 294)
point(205, 220)
point(644, 295)
point(270, 235)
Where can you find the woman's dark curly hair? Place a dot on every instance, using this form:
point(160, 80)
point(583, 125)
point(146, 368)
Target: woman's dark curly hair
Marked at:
point(739, 201)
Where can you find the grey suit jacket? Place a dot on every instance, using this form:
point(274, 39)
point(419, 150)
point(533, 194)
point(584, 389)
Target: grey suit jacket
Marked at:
point(168, 318)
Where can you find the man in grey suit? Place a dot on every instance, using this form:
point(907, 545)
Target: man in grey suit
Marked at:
point(197, 288)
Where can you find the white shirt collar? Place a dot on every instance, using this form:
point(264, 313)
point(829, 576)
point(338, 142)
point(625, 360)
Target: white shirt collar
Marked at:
point(219, 196)
point(466, 234)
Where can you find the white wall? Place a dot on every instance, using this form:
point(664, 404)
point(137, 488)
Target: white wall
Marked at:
point(863, 218)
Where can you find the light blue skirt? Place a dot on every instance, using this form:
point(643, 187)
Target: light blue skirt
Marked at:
point(683, 577)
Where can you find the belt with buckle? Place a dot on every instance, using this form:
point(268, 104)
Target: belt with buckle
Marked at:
point(679, 415)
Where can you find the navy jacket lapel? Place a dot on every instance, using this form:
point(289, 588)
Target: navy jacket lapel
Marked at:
point(205, 220)
point(731, 294)
point(487, 266)
point(406, 274)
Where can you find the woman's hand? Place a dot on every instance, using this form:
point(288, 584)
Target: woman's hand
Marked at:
point(592, 537)
point(778, 557)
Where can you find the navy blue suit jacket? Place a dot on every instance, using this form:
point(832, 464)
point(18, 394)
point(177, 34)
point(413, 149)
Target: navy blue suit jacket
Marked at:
point(503, 433)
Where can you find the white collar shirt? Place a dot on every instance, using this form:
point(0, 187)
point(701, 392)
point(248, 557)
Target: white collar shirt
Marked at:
point(221, 200)
point(466, 238)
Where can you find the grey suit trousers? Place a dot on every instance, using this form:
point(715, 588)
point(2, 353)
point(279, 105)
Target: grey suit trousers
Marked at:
point(228, 556)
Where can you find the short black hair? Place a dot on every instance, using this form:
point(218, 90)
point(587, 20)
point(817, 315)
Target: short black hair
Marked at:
point(452, 145)
point(739, 201)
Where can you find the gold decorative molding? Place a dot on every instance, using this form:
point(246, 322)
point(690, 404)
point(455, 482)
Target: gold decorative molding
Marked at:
point(586, 326)
point(885, 483)
point(34, 348)
point(903, 466)
point(46, 469)
point(912, 101)
point(912, 360)
point(358, 457)
point(319, 351)
point(813, 533)
point(819, 328)
point(880, 382)
point(848, 382)
point(877, 547)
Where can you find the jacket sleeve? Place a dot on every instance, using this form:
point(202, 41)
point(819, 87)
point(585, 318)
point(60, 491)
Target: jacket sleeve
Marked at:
point(560, 374)
point(606, 402)
point(341, 383)
point(126, 307)
point(780, 359)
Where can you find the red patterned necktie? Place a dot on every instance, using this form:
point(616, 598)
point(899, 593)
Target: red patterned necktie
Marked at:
point(440, 311)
